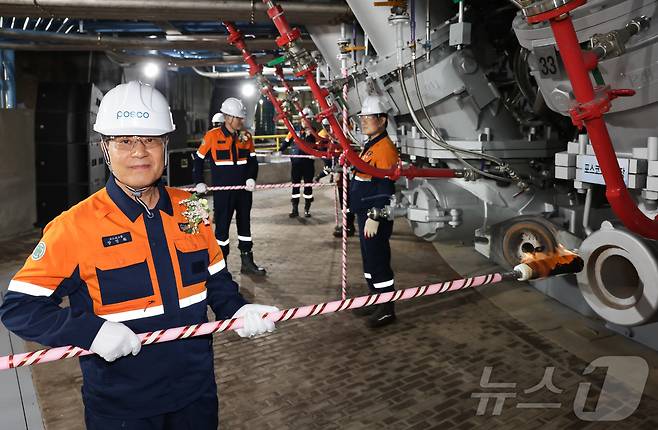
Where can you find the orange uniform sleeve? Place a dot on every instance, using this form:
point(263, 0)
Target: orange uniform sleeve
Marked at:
point(31, 306)
point(252, 161)
point(204, 149)
point(206, 144)
point(53, 260)
point(252, 147)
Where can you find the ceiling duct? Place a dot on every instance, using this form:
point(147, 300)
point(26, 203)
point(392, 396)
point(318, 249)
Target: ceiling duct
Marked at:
point(125, 59)
point(102, 42)
point(176, 10)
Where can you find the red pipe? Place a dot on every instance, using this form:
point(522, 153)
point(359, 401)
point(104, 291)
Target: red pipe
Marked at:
point(590, 112)
point(303, 145)
point(573, 59)
point(287, 39)
point(236, 39)
point(307, 123)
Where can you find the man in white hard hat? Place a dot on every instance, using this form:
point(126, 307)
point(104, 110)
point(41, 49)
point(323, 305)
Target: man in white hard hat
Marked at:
point(130, 262)
point(368, 192)
point(217, 120)
point(234, 162)
point(301, 168)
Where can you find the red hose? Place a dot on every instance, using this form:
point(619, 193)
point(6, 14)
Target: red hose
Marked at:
point(307, 123)
point(236, 39)
point(589, 112)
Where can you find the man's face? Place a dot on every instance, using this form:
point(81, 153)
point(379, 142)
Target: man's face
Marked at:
point(372, 125)
point(233, 123)
point(137, 161)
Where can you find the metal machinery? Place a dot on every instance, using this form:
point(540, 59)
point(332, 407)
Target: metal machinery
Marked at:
point(484, 87)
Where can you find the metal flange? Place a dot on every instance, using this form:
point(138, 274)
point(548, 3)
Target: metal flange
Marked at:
point(544, 10)
point(619, 278)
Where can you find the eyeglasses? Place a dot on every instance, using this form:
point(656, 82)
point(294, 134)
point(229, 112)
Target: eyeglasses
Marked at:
point(128, 143)
point(369, 117)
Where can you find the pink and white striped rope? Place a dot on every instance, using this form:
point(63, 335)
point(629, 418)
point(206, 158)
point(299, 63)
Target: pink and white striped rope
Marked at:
point(344, 238)
point(344, 163)
point(176, 333)
point(336, 208)
point(302, 156)
point(263, 186)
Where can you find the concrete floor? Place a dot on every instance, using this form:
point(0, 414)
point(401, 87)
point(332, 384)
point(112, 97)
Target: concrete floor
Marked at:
point(331, 372)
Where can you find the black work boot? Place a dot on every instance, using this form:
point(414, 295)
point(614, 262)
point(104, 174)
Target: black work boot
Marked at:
point(383, 315)
point(307, 209)
point(248, 265)
point(338, 231)
point(295, 211)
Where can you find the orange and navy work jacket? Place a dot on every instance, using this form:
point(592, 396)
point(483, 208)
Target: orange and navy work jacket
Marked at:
point(289, 142)
point(366, 191)
point(115, 263)
point(233, 157)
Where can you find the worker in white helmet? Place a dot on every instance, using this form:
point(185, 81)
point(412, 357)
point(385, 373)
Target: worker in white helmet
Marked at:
point(217, 120)
point(234, 162)
point(131, 261)
point(301, 169)
point(368, 192)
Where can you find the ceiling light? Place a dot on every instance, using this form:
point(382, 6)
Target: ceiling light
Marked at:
point(151, 70)
point(248, 90)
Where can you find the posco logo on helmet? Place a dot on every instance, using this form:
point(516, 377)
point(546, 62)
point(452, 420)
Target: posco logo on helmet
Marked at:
point(132, 114)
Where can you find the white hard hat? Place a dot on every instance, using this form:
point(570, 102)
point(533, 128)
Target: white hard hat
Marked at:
point(325, 121)
point(308, 112)
point(233, 107)
point(373, 105)
point(134, 109)
point(217, 118)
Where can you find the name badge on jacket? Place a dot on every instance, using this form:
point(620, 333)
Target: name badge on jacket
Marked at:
point(117, 239)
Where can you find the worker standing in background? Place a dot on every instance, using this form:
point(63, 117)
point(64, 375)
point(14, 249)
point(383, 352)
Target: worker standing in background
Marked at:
point(217, 120)
point(233, 156)
point(368, 192)
point(301, 168)
point(130, 261)
point(332, 166)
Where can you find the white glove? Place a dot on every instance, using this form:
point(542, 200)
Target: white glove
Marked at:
point(370, 230)
point(201, 188)
point(250, 184)
point(115, 340)
point(253, 323)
